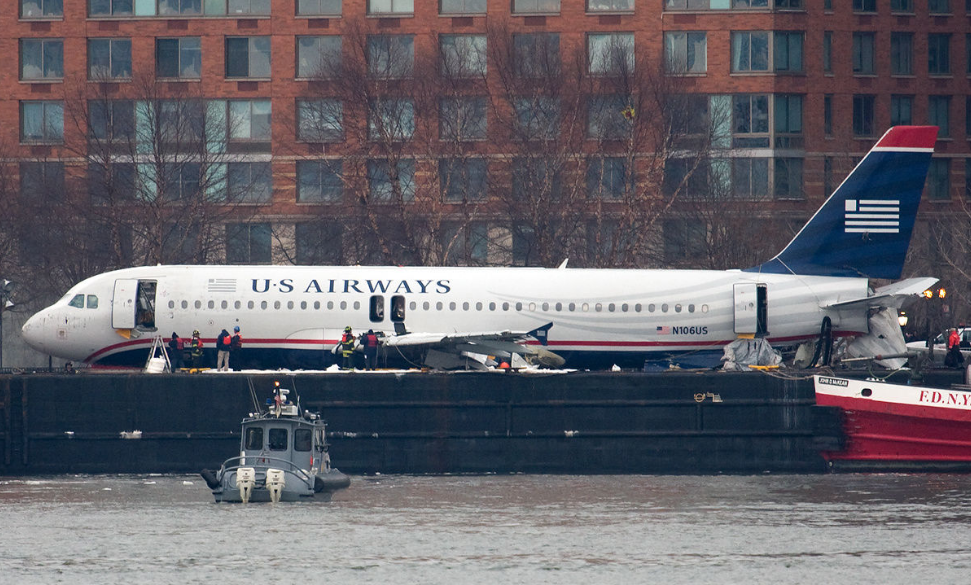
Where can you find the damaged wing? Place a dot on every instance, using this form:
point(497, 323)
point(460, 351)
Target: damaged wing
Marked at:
point(481, 342)
point(892, 295)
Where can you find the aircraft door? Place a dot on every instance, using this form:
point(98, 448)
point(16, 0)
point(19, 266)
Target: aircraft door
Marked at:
point(123, 304)
point(376, 311)
point(751, 309)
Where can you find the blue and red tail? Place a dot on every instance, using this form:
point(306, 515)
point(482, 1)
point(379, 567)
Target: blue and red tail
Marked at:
point(864, 227)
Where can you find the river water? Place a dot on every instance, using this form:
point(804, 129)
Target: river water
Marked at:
point(458, 530)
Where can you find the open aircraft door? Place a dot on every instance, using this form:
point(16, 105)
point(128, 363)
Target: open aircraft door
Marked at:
point(751, 309)
point(123, 304)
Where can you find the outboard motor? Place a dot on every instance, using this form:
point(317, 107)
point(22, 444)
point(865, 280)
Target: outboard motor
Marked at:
point(275, 482)
point(245, 480)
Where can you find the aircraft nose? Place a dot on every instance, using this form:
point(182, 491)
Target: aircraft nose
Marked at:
point(33, 332)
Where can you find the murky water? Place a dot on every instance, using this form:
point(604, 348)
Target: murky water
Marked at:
point(885, 529)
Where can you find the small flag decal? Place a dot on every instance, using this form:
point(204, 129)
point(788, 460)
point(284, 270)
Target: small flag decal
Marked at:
point(663, 330)
point(872, 216)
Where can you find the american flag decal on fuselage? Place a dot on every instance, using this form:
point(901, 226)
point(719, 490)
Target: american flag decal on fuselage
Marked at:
point(872, 216)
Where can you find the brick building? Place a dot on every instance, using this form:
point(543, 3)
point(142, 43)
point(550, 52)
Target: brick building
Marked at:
point(800, 87)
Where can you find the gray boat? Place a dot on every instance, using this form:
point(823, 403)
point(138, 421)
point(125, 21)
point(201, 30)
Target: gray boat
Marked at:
point(283, 457)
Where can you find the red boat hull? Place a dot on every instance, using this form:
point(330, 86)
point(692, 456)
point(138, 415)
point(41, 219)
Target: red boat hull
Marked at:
point(894, 427)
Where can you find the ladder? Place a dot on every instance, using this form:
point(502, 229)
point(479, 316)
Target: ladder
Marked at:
point(151, 364)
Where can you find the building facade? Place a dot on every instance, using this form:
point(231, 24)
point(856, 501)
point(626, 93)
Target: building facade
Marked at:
point(280, 121)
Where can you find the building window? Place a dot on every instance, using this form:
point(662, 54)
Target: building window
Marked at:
point(610, 5)
point(538, 117)
point(684, 239)
point(41, 8)
point(788, 178)
point(110, 7)
point(111, 120)
point(463, 7)
point(610, 53)
point(967, 171)
point(463, 55)
point(750, 121)
point(180, 123)
point(787, 52)
point(249, 120)
point(788, 116)
point(827, 52)
point(863, 63)
point(318, 243)
point(609, 177)
point(180, 181)
point(319, 7)
point(750, 178)
point(938, 54)
point(939, 114)
point(535, 178)
point(463, 179)
point(864, 5)
point(828, 114)
point(390, 6)
point(863, 111)
point(391, 56)
point(234, 7)
point(939, 6)
point(391, 119)
point(535, 6)
point(750, 51)
point(41, 181)
point(249, 182)
point(319, 57)
point(465, 244)
point(320, 120)
point(901, 110)
point(391, 181)
point(788, 4)
point(696, 4)
point(902, 6)
point(248, 243)
point(901, 53)
point(41, 59)
point(686, 52)
point(184, 7)
point(462, 118)
point(109, 59)
point(319, 181)
point(42, 122)
point(248, 57)
point(537, 55)
point(179, 58)
point(112, 182)
point(939, 179)
point(967, 47)
point(608, 117)
point(686, 177)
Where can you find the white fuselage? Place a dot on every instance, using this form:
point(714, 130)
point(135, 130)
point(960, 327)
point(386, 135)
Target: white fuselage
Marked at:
point(629, 312)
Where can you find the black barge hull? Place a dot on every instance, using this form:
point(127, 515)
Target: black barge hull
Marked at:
point(574, 423)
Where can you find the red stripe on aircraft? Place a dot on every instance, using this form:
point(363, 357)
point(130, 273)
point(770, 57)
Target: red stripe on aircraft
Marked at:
point(909, 137)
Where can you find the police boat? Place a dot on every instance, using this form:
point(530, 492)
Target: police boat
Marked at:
point(283, 457)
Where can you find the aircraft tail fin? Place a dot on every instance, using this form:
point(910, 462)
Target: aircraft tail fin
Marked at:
point(864, 228)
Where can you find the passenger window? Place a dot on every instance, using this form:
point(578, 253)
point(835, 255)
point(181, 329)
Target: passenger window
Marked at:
point(301, 440)
point(77, 302)
point(254, 439)
point(278, 440)
point(92, 301)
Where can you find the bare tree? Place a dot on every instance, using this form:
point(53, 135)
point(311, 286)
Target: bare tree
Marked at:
point(163, 173)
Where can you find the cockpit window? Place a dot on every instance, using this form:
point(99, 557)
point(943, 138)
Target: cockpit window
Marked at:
point(77, 301)
point(92, 301)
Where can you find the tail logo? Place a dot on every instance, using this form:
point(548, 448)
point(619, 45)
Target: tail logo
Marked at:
point(872, 216)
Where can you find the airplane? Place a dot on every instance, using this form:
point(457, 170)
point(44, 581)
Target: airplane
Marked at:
point(293, 316)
